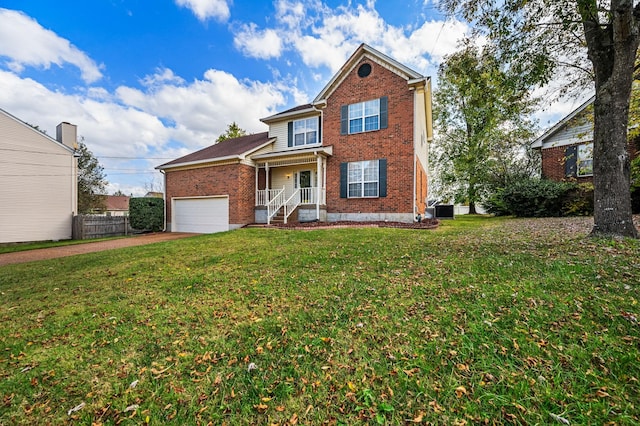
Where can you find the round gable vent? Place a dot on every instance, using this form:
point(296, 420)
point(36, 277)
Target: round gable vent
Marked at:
point(364, 70)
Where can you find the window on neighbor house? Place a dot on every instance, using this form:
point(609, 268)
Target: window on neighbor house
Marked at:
point(305, 132)
point(363, 179)
point(585, 159)
point(364, 116)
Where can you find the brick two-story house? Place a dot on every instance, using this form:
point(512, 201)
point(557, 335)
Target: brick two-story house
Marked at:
point(358, 152)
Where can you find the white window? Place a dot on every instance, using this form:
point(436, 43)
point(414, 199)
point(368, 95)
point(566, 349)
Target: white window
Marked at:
point(585, 159)
point(364, 116)
point(305, 132)
point(363, 179)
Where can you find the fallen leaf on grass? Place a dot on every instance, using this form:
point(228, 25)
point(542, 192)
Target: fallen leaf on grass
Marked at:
point(437, 408)
point(157, 372)
point(76, 408)
point(133, 384)
point(132, 407)
point(461, 391)
point(261, 407)
point(629, 317)
point(418, 418)
point(294, 419)
point(559, 419)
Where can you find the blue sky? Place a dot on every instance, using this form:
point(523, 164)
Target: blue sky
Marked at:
point(149, 81)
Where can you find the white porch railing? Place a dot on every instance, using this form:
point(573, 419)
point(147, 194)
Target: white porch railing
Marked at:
point(275, 204)
point(291, 204)
point(263, 196)
point(307, 195)
point(278, 199)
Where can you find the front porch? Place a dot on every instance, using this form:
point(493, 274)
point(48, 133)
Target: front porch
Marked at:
point(286, 184)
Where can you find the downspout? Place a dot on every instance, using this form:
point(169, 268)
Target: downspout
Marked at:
point(164, 190)
point(415, 153)
point(429, 119)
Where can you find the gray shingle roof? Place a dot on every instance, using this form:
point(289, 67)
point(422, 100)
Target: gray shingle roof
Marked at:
point(227, 148)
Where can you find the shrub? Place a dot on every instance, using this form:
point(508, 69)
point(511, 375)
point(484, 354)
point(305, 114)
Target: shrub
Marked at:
point(530, 197)
point(578, 200)
point(146, 214)
point(494, 203)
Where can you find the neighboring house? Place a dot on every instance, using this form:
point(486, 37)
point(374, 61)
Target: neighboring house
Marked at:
point(357, 152)
point(567, 147)
point(154, 194)
point(116, 205)
point(38, 194)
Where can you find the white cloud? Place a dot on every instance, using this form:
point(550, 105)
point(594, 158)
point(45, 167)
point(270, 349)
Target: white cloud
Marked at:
point(162, 75)
point(26, 43)
point(325, 37)
point(255, 43)
point(205, 107)
point(205, 9)
point(132, 130)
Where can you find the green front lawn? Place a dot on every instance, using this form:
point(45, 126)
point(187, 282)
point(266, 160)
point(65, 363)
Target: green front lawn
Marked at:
point(481, 321)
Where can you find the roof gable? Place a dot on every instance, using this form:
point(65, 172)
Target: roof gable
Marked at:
point(559, 126)
point(117, 202)
point(230, 148)
point(369, 52)
point(295, 111)
point(38, 133)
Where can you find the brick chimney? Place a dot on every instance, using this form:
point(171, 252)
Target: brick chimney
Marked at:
point(67, 134)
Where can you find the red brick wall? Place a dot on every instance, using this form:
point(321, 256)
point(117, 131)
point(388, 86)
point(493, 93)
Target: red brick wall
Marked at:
point(553, 160)
point(235, 180)
point(395, 143)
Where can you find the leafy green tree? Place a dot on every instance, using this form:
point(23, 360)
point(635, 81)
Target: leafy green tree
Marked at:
point(480, 114)
point(233, 131)
point(91, 181)
point(547, 38)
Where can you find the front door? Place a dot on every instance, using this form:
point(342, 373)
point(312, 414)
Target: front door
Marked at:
point(304, 183)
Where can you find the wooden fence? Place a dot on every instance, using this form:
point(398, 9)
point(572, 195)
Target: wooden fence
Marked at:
point(91, 226)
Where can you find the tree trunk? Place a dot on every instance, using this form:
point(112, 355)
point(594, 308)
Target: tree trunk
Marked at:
point(611, 169)
point(612, 50)
point(472, 208)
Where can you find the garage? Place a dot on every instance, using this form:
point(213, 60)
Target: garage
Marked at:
point(204, 215)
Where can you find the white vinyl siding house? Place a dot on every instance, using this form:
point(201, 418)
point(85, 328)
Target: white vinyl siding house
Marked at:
point(38, 190)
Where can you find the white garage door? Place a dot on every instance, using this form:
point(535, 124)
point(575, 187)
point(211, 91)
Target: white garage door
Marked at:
point(201, 215)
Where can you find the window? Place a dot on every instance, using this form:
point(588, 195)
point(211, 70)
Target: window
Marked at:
point(585, 159)
point(364, 116)
point(305, 132)
point(363, 179)
point(364, 70)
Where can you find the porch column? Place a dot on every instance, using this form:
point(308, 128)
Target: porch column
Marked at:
point(257, 188)
point(266, 182)
point(318, 184)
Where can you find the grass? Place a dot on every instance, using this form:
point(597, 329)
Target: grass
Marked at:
point(483, 321)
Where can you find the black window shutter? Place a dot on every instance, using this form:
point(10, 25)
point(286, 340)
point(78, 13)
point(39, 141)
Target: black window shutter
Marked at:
point(319, 130)
point(290, 133)
point(384, 112)
point(382, 177)
point(344, 119)
point(570, 161)
point(344, 168)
